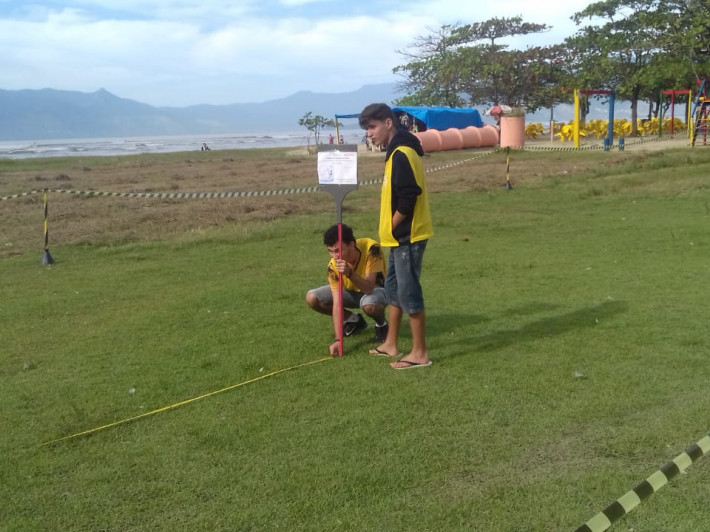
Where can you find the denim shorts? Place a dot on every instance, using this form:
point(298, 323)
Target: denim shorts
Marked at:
point(402, 286)
point(351, 299)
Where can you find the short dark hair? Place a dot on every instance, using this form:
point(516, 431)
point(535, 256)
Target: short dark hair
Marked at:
point(330, 237)
point(375, 111)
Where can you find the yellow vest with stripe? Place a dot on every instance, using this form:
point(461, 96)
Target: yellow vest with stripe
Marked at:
point(421, 219)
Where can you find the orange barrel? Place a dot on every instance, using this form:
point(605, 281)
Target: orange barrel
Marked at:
point(471, 137)
point(512, 131)
point(451, 139)
point(430, 139)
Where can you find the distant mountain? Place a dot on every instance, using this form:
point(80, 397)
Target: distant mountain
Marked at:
point(44, 114)
point(54, 114)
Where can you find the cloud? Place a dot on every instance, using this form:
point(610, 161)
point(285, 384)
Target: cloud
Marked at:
point(183, 52)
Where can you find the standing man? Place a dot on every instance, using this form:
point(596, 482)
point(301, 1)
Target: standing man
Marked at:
point(363, 271)
point(405, 227)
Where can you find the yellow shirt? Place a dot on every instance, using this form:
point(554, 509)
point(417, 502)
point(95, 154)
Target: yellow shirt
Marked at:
point(371, 261)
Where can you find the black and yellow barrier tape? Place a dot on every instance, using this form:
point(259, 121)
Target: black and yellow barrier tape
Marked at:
point(192, 195)
point(218, 195)
point(623, 505)
point(457, 163)
point(307, 189)
point(628, 141)
point(586, 147)
point(174, 195)
point(182, 403)
point(22, 195)
point(655, 138)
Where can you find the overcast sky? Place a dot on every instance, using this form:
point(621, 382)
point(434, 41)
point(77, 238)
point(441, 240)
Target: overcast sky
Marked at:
point(187, 52)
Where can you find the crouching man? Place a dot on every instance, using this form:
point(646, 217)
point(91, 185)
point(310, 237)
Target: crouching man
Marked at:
point(363, 272)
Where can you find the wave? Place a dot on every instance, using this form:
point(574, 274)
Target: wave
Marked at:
point(166, 144)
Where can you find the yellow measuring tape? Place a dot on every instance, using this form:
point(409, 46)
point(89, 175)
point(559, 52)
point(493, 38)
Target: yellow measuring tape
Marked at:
point(181, 403)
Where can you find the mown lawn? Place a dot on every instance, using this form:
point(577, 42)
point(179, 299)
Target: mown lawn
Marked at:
point(567, 323)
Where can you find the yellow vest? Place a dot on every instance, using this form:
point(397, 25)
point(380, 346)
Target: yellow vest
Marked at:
point(421, 220)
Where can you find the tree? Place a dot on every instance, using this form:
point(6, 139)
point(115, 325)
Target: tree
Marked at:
point(685, 39)
point(314, 124)
point(431, 76)
point(465, 64)
point(686, 34)
point(641, 47)
point(635, 47)
point(540, 79)
point(492, 72)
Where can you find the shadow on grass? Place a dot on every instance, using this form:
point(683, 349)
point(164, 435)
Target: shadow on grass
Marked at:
point(451, 330)
point(531, 308)
point(438, 324)
point(542, 328)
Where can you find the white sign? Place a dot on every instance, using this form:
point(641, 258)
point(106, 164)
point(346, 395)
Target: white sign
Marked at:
point(337, 167)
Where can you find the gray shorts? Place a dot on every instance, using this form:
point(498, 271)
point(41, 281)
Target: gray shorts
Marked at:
point(351, 299)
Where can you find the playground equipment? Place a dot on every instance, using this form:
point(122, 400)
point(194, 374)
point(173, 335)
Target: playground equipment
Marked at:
point(672, 94)
point(610, 135)
point(701, 112)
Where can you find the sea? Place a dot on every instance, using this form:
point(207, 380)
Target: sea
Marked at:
point(25, 149)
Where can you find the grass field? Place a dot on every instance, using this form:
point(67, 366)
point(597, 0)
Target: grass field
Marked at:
point(566, 319)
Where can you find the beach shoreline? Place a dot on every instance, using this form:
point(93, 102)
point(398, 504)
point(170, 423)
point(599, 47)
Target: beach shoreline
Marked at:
point(110, 146)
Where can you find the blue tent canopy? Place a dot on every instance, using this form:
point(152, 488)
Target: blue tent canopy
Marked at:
point(437, 117)
point(443, 117)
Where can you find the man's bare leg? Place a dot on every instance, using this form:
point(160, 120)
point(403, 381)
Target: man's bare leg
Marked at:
point(418, 355)
point(389, 348)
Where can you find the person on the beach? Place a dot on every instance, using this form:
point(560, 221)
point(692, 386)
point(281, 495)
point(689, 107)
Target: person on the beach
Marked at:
point(363, 269)
point(205, 147)
point(405, 227)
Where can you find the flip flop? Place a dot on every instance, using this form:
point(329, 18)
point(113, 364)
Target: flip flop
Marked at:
point(411, 365)
point(380, 353)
